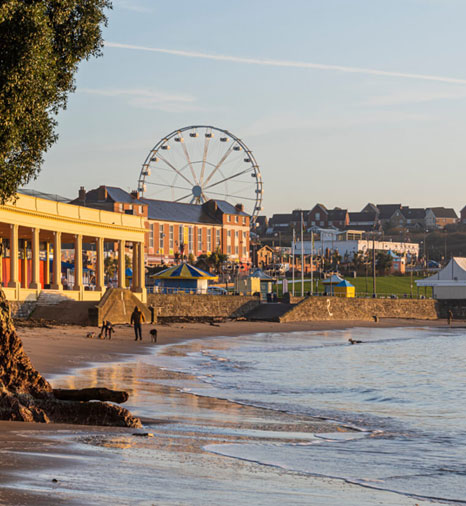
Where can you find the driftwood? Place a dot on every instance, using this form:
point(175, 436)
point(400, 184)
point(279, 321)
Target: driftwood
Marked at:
point(91, 394)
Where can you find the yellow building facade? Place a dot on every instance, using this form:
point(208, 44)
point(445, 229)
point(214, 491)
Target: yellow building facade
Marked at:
point(41, 226)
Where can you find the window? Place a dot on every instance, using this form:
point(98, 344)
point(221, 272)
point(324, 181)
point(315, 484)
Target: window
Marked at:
point(237, 235)
point(209, 239)
point(171, 237)
point(236, 219)
point(180, 237)
point(190, 239)
point(161, 238)
point(120, 208)
point(236, 250)
point(218, 239)
point(229, 250)
point(199, 239)
point(228, 218)
point(151, 235)
point(317, 216)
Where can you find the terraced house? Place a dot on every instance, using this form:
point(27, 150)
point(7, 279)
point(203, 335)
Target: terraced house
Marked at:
point(176, 230)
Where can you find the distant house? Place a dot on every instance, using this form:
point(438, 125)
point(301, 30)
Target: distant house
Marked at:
point(264, 256)
point(318, 216)
point(338, 218)
point(440, 217)
point(409, 217)
point(363, 221)
point(384, 212)
point(463, 215)
point(279, 223)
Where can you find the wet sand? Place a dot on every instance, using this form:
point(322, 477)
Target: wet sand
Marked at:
point(60, 350)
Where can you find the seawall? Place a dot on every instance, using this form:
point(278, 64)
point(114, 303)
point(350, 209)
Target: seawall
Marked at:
point(182, 305)
point(337, 308)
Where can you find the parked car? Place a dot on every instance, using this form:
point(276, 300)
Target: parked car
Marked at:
point(216, 290)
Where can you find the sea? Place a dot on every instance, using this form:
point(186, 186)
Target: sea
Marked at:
point(276, 418)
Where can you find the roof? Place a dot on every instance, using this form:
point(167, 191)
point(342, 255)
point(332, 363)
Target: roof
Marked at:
point(177, 211)
point(42, 195)
point(345, 283)
point(337, 214)
point(386, 210)
point(413, 213)
point(184, 271)
point(259, 273)
point(452, 274)
point(280, 218)
point(362, 217)
point(443, 212)
point(321, 207)
point(334, 279)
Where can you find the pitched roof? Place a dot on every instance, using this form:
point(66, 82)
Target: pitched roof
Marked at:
point(386, 210)
point(362, 217)
point(337, 214)
point(42, 195)
point(443, 212)
point(417, 213)
point(177, 211)
point(280, 219)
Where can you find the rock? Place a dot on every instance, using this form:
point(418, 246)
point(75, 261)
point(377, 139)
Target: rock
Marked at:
point(25, 395)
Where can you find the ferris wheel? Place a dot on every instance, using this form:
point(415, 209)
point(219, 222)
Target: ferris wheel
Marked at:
point(197, 163)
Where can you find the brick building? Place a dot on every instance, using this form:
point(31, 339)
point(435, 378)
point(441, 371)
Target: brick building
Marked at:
point(175, 229)
point(439, 217)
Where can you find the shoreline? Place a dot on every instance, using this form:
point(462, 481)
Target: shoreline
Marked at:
point(62, 350)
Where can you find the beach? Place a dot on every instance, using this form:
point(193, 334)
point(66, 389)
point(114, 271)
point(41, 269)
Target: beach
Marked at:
point(66, 356)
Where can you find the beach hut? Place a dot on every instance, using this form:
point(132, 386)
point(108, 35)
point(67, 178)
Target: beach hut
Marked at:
point(345, 289)
point(183, 278)
point(330, 283)
point(266, 282)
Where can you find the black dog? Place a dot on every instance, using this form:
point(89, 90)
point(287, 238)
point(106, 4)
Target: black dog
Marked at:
point(153, 335)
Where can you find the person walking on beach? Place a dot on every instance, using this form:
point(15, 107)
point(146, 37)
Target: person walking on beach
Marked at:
point(450, 317)
point(152, 314)
point(136, 319)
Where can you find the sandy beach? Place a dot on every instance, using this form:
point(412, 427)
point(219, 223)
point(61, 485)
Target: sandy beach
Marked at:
point(61, 350)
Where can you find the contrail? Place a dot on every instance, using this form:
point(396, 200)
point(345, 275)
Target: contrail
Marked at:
point(287, 63)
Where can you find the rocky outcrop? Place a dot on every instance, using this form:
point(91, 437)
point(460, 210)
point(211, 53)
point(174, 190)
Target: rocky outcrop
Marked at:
point(25, 395)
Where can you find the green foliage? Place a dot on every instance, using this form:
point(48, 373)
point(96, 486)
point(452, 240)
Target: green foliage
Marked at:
point(41, 44)
point(216, 259)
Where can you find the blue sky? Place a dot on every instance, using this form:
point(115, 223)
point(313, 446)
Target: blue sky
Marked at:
point(374, 110)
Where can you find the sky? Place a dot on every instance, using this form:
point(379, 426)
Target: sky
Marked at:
point(342, 102)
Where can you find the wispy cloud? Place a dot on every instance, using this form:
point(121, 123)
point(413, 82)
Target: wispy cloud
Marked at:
point(288, 63)
point(415, 97)
point(148, 99)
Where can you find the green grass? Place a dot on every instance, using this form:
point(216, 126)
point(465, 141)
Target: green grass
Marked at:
point(385, 286)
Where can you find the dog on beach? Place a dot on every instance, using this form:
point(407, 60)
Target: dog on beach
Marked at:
point(153, 335)
point(90, 335)
point(353, 341)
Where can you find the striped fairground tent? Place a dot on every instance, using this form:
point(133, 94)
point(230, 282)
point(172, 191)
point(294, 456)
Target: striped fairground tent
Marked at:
point(184, 271)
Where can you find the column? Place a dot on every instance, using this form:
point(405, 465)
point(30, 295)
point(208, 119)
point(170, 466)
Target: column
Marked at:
point(47, 264)
point(78, 262)
point(99, 265)
point(135, 268)
point(35, 283)
point(57, 261)
point(2, 245)
point(14, 282)
point(121, 264)
point(24, 266)
point(141, 268)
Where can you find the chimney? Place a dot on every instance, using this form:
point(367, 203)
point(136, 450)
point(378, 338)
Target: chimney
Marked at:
point(135, 194)
point(102, 193)
point(239, 208)
point(82, 195)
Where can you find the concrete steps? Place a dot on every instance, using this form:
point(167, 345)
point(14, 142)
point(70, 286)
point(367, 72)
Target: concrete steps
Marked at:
point(52, 298)
point(269, 312)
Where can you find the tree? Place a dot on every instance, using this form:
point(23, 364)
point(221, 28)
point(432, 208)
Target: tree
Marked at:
point(42, 43)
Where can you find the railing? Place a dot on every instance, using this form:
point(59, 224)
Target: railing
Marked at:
point(188, 291)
